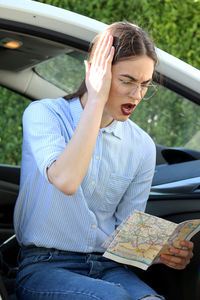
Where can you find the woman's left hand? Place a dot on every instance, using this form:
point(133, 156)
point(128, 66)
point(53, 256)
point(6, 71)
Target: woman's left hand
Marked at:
point(179, 258)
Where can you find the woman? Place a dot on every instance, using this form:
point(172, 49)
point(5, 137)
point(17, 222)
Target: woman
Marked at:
point(85, 168)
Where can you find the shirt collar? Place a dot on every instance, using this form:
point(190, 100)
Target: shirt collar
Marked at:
point(114, 128)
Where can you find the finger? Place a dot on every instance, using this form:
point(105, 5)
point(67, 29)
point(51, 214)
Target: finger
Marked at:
point(106, 51)
point(182, 253)
point(100, 41)
point(175, 266)
point(99, 48)
point(185, 249)
point(187, 244)
point(111, 54)
point(174, 262)
point(171, 259)
point(87, 69)
point(168, 262)
point(109, 59)
point(177, 260)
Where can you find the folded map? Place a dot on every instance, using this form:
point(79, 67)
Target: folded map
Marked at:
point(141, 238)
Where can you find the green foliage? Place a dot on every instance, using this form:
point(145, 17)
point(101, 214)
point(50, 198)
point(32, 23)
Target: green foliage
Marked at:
point(11, 108)
point(173, 25)
point(170, 119)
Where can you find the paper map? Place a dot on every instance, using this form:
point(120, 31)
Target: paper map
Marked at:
point(141, 238)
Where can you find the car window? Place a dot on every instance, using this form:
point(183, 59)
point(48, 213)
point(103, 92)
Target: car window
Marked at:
point(65, 71)
point(170, 119)
point(12, 106)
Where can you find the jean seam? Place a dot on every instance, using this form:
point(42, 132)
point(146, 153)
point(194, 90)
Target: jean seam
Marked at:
point(155, 296)
point(28, 291)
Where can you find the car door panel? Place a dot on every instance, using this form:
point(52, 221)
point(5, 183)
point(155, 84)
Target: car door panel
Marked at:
point(176, 207)
point(9, 188)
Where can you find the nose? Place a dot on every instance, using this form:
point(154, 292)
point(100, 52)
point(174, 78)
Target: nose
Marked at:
point(136, 93)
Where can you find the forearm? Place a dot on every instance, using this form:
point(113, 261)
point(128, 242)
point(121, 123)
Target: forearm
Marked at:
point(69, 169)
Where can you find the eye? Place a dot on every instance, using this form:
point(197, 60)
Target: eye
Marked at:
point(144, 86)
point(125, 82)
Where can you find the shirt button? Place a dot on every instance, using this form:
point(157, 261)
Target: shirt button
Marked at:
point(93, 182)
point(90, 248)
point(97, 157)
point(94, 226)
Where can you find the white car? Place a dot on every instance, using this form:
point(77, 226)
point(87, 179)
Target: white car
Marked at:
point(42, 49)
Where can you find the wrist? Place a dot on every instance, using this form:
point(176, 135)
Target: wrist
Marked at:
point(93, 102)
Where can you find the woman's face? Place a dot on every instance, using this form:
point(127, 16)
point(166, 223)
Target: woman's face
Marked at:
point(123, 99)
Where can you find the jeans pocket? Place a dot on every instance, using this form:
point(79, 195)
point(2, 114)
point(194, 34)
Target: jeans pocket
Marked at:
point(29, 265)
point(34, 259)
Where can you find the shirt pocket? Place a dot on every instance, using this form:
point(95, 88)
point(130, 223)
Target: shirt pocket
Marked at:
point(116, 187)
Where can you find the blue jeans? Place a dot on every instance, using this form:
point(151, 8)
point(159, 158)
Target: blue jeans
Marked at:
point(54, 274)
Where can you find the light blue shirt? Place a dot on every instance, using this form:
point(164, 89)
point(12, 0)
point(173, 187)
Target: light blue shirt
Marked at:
point(118, 179)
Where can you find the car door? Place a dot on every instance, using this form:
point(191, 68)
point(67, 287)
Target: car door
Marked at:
point(175, 192)
point(49, 63)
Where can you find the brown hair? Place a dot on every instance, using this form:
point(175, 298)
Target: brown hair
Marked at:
point(129, 40)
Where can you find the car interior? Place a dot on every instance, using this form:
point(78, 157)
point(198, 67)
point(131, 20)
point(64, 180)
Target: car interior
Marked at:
point(175, 193)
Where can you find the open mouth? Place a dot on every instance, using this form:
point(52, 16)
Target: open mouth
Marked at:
point(127, 108)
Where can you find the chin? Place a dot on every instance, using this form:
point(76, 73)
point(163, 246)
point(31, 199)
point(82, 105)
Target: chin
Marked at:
point(121, 118)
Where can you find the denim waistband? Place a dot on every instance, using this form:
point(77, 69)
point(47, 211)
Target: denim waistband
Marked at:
point(42, 250)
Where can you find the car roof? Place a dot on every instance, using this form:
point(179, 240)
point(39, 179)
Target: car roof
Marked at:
point(47, 31)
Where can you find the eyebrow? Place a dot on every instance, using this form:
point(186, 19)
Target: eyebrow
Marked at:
point(134, 79)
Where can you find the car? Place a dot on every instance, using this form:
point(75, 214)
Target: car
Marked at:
point(42, 49)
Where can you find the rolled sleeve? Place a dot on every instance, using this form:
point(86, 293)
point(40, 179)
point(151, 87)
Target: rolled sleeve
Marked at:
point(42, 135)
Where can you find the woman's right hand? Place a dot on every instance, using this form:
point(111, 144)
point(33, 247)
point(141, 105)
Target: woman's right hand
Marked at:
point(98, 73)
point(69, 169)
